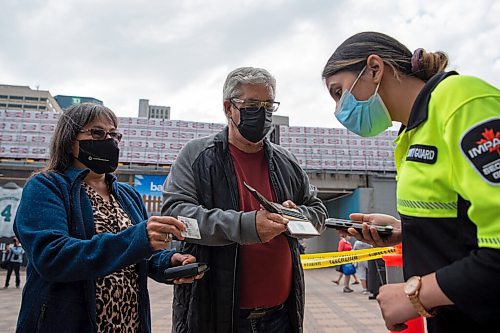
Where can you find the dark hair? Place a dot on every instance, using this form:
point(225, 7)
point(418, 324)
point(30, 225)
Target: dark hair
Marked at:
point(67, 128)
point(352, 54)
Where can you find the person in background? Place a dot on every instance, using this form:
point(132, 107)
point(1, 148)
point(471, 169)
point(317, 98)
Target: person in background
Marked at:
point(255, 282)
point(448, 178)
point(14, 254)
point(362, 266)
point(89, 241)
point(344, 245)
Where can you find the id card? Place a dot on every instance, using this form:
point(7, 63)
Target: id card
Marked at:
point(302, 228)
point(192, 229)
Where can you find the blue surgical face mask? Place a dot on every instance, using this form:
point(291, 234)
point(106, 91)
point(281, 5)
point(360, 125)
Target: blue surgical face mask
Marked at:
point(365, 118)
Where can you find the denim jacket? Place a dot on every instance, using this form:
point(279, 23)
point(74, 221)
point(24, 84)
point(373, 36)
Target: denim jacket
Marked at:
point(55, 224)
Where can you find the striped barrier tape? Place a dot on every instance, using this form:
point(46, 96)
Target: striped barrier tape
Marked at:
point(329, 259)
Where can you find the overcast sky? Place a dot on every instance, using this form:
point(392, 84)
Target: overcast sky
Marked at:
point(178, 53)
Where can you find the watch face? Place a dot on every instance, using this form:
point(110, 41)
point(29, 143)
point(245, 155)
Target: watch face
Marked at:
point(412, 285)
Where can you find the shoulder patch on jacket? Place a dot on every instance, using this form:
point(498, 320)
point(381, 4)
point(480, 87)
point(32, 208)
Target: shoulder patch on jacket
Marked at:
point(422, 153)
point(481, 145)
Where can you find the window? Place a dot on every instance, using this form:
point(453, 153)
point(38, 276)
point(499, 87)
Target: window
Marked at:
point(27, 98)
point(17, 97)
point(3, 105)
point(3, 96)
point(43, 99)
point(15, 106)
point(27, 106)
point(42, 107)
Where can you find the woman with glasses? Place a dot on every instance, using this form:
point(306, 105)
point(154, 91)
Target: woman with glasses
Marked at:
point(448, 178)
point(89, 241)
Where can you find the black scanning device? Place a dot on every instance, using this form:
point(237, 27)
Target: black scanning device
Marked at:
point(188, 270)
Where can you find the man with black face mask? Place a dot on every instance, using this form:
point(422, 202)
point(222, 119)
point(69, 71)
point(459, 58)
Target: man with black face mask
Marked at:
point(255, 279)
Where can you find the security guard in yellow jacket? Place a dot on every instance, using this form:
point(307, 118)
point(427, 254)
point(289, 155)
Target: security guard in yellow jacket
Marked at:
point(448, 178)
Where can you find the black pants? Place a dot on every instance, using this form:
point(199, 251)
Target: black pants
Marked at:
point(13, 266)
point(376, 275)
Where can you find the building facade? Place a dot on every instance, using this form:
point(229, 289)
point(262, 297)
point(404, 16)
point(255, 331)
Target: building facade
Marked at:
point(23, 98)
point(351, 173)
point(153, 111)
point(66, 101)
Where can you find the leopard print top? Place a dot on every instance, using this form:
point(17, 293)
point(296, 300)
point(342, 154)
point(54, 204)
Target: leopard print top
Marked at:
point(117, 298)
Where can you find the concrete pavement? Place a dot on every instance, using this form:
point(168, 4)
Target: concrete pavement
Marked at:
point(328, 309)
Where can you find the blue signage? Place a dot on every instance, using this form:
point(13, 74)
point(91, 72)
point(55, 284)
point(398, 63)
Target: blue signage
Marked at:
point(149, 184)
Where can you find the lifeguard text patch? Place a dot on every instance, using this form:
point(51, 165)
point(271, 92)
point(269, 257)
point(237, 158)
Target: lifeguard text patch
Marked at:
point(422, 153)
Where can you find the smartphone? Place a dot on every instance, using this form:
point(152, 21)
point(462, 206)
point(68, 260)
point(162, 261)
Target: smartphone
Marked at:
point(289, 213)
point(383, 230)
point(182, 271)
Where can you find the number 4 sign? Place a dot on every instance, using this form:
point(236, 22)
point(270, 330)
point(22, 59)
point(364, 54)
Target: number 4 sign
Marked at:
point(9, 201)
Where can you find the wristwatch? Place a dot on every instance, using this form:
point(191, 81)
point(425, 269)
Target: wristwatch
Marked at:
point(412, 289)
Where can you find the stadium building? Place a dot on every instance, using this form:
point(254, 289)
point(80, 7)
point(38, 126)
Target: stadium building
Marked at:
point(351, 173)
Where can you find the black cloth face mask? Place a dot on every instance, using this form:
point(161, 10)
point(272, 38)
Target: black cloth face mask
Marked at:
point(100, 156)
point(254, 124)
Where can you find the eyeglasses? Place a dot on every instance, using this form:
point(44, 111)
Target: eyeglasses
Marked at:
point(100, 134)
point(253, 105)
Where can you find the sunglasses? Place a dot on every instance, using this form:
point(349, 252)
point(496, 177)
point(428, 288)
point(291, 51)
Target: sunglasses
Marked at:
point(100, 134)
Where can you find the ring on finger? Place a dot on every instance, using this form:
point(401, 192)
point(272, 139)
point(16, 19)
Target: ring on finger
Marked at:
point(168, 237)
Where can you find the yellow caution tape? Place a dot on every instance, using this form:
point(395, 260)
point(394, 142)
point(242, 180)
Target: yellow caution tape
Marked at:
point(328, 259)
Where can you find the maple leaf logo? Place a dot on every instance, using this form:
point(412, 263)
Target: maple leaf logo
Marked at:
point(489, 135)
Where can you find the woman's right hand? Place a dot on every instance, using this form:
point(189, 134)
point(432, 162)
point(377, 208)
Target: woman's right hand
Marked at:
point(370, 235)
point(162, 229)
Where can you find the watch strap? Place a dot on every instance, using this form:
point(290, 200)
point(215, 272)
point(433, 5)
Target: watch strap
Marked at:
point(419, 306)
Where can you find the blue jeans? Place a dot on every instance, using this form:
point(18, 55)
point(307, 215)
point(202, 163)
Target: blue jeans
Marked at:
point(274, 322)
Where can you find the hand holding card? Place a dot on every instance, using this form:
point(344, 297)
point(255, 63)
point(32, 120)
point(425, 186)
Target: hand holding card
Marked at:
point(192, 229)
point(298, 224)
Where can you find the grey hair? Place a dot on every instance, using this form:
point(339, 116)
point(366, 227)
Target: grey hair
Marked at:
point(70, 123)
point(247, 75)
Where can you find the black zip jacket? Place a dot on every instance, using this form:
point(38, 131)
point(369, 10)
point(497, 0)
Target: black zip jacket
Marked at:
point(203, 185)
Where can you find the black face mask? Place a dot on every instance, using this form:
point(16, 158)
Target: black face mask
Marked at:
point(100, 156)
point(254, 125)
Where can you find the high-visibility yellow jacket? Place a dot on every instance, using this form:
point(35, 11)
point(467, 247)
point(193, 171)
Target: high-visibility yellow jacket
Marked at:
point(448, 196)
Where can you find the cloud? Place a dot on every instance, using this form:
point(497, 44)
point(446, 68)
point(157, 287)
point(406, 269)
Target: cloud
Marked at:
point(178, 53)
